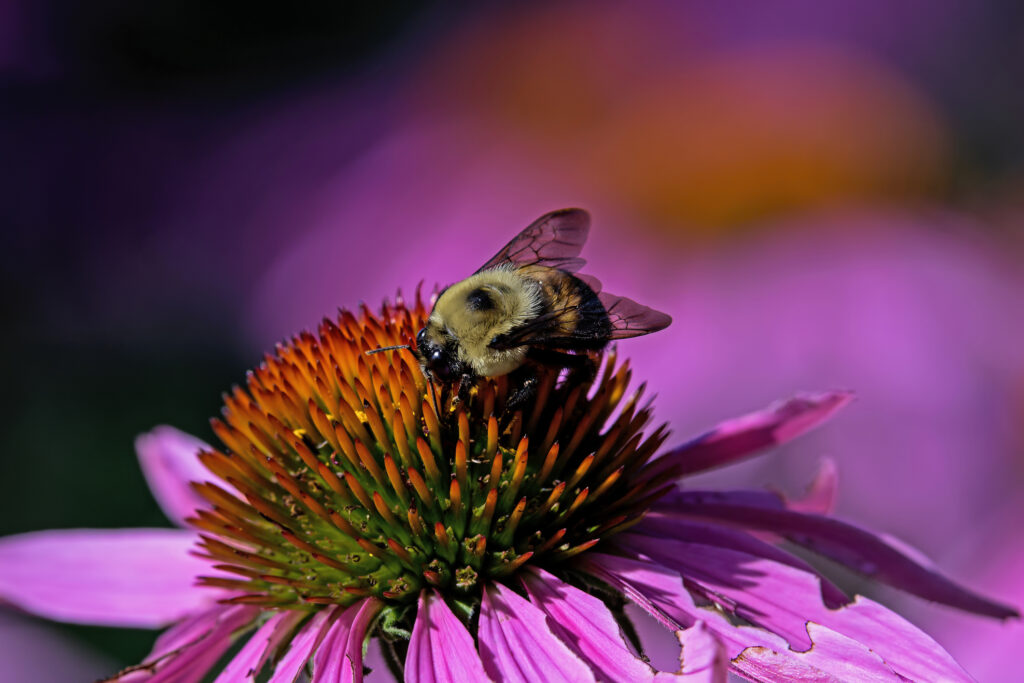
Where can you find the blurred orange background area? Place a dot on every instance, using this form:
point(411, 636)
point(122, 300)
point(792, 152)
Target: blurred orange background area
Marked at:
point(686, 134)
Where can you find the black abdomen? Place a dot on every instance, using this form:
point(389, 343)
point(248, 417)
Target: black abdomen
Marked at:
point(584, 325)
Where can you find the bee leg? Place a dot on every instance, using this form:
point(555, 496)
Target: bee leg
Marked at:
point(582, 367)
point(574, 362)
point(466, 384)
point(525, 381)
point(587, 368)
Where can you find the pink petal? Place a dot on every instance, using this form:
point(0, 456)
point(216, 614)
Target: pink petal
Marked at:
point(441, 649)
point(784, 599)
point(703, 657)
point(303, 645)
point(906, 649)
point(250, 659)
point(660, 526)
point(169, 462)
point(187, 652)
point(779, 597)
point(833, 657)
point(660, 592)
point(339, 659)
point(193, 661)
point(744, 436)
point(140, 578)
point(857, 548)
point(189, 630)
point(585, 625)
point(754, 653)
point(517, 645)
point(758, 497)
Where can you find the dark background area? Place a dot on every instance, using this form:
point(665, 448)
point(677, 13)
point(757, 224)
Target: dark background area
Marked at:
point(104, 107)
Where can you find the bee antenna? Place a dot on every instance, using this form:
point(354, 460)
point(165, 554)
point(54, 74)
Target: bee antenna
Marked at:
point(388, 348)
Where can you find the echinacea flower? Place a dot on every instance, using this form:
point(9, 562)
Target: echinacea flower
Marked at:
point(476, 540)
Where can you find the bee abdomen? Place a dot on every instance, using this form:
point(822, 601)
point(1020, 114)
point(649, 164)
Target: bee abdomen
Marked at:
point(593, 327)
point(583, 323)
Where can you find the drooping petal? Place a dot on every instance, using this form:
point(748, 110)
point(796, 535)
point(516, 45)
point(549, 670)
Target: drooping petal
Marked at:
point(744, 436)
point(339, 659)
point(586, 626)
point(441, 649)
point(659, 526)
point(189, 630)
point(169, 462)
point(517, 645)
point(193, 661)
point(758, 497)
point(769, 602)
point(660, 592)
point(779, 597)
point(187, 652)
point(303, 646)
point(784, 599)
point(765, 656)
point(250, 659)
point(139, 578)
point(857, 548)
point(703, 657)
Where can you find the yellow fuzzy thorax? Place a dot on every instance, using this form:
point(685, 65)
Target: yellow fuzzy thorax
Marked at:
point(517, 299)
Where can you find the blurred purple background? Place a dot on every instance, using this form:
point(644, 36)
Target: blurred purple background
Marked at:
point(822, 195)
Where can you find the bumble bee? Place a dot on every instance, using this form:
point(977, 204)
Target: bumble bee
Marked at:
point(528, 305)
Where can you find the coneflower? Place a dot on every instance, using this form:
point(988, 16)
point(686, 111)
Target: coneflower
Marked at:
point(476, 540)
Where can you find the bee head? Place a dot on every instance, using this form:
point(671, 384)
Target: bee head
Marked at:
point(438, 355)
point(467, 316)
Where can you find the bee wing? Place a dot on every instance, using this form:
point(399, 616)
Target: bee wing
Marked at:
point(545, 329)
point(554, 240)
point(628, 318)
point(569, 326)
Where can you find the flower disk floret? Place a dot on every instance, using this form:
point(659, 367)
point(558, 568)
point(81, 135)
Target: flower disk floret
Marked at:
point(344, 478)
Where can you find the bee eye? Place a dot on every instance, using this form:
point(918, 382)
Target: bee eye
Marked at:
point(421, 337)
point(479, 300)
